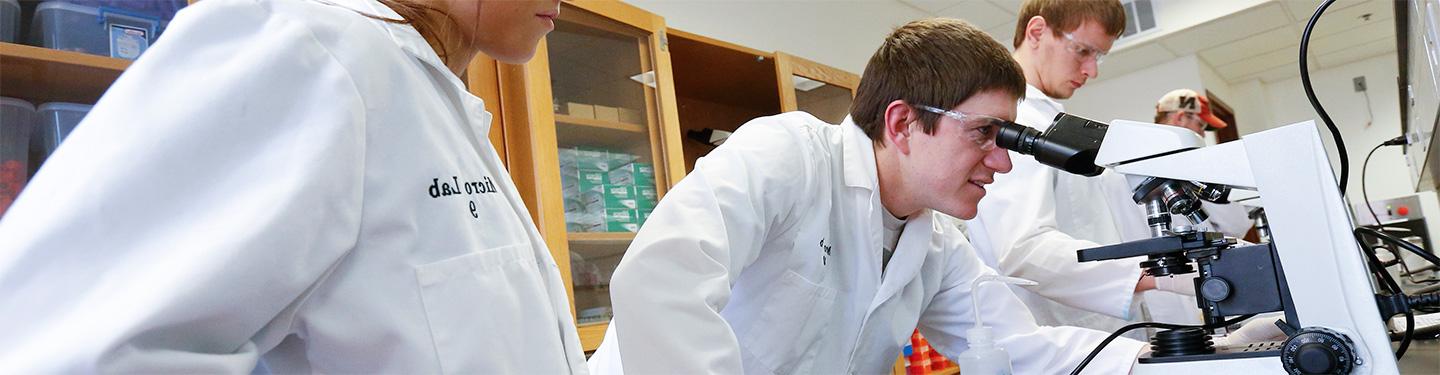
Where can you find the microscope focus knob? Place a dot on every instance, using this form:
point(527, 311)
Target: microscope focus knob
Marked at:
point(1317, 350)
point(1214, 289)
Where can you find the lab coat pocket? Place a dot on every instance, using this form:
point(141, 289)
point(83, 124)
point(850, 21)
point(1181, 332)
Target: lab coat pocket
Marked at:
point(790, 323)
point(485, 305)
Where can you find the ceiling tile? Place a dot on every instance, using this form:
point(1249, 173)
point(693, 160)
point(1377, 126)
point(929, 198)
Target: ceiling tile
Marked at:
point(1370, 32)
point(979, 12)
point(1012, 6)
point(1343, 20)
point(1359, 52)
point(1226, 29)
point(1276, 38)
point(1301, 10)
point(1134, 59)
point(1005, 35)
point(1260, 62)
point(932, 6)
point(1277, 74)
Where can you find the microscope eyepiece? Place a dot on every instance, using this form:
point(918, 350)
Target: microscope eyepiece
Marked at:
point(1018, 138)
point(1071, 143)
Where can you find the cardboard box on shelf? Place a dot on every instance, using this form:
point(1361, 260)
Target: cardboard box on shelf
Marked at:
point(622, 227)
point(580, 110)
point(607, 113)
point(647, 192)
point(630, 116)
point(620, 159)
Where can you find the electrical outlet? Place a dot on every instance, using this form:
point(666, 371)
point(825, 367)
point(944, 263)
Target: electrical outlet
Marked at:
point(1359, 83)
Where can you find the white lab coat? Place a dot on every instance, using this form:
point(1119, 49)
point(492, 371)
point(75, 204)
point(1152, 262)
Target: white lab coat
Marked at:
point(258, 188)
point(1034, 219)
point(767, 259)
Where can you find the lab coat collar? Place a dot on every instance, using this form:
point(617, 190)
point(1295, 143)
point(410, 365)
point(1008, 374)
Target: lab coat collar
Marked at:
point(409, 40)
point(859, 154)
point(1034, 94)
point(920, 237)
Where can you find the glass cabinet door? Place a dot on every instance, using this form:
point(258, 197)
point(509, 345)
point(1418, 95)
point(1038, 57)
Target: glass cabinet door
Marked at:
point(811, 87)
point(826, 101)
point(607, 125)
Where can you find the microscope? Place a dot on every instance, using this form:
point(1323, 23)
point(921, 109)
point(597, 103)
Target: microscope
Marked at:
point(1312, 270)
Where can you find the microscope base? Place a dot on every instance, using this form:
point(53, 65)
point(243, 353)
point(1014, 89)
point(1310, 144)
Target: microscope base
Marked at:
point(1248, 366)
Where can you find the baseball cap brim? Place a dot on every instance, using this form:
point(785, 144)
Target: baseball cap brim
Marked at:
point(1215, 122)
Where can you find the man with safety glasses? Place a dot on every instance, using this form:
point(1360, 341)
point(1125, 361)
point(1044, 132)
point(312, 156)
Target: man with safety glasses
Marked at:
point(1036, 217)
point(805, 247)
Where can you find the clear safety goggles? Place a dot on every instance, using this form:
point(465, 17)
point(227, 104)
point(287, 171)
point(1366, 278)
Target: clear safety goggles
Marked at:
point(1083, 51)
point(978, 128)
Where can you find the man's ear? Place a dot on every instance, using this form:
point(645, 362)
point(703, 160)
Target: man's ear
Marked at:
point(898, 117)
point(1033, 30)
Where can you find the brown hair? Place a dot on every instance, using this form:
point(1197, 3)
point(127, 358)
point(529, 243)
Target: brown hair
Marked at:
point(1161, 115)
point(1067, 15)
point(937, 62)
point(415, 14)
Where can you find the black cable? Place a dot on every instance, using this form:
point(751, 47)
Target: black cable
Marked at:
point(1310, 93)
point(1393, 287)
point(1128, 328)
point(1397, 141)
point(1401, 243)
point(1363, 193)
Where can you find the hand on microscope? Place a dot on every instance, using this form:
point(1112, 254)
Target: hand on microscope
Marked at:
point(1259, 329)
point(1181, 284)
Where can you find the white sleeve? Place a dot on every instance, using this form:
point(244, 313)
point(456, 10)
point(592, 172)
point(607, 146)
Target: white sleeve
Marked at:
point(1033, 349)
point(213, 184)
point(676, 276)
point(1018, 216)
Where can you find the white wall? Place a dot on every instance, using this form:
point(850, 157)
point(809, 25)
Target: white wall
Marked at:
point(1389, 176)
point(842, 34)
point(1132, 96)
point(1260, 106)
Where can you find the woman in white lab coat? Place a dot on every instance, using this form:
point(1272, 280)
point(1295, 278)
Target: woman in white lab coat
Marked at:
point(805, 247)
point(302, 185)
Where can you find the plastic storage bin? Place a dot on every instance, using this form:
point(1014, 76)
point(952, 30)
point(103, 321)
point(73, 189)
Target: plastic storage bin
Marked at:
point(16, 119)
point(56, 121)
point(164, 10)
point(104, 31)
point(9, 21)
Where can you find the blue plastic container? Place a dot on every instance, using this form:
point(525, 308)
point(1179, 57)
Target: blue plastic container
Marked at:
point(16, 121)
point(104, 31)
point(56, 121)
point(9, 21)
point(163, 10)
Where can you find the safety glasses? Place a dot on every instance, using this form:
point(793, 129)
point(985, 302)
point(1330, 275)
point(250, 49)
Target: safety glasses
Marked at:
point(980, 129)
point(1083, 51)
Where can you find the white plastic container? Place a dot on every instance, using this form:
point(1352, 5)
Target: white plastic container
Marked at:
point(16, 119)
point(98, 31)
point(56, 121)
point(9, 21)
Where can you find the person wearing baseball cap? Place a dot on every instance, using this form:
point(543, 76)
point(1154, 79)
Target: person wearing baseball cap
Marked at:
point(1187, 109)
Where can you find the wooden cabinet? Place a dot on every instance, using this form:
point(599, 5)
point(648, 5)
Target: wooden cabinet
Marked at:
point(808, 86)
point(600, 84)
point(719, 86)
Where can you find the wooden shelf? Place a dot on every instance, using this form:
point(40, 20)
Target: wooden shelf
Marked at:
point(597, 123)
point(591, 334)
point(612, 135)
point(601, 238)
point(45, 75)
